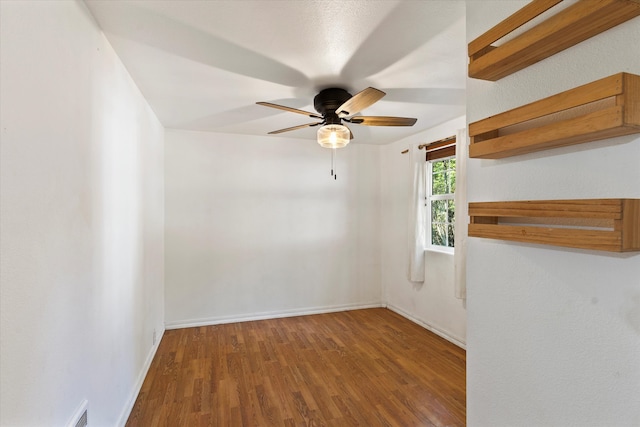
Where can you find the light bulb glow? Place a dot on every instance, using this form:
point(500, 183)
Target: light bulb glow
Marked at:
point(333, 136)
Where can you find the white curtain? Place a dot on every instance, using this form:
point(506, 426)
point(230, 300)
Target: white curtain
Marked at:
point(417, 215)
point(461, 215)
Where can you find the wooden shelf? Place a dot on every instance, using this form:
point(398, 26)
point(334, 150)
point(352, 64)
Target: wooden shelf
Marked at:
point(598, 224)
point(602, 109)
point(567, 27)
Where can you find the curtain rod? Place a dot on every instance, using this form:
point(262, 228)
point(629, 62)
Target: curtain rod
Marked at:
point(440, 141)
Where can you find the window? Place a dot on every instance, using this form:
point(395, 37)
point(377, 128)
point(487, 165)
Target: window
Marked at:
point(441, 186)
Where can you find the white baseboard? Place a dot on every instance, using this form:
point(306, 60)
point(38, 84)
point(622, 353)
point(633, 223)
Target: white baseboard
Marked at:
point(427, 326)
point(307, 311)
point(267, 315)
point(124, 415)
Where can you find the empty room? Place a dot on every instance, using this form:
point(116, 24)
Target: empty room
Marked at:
point(319, 213)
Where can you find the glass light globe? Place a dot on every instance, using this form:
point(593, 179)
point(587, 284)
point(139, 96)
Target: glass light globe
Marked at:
point(333, 136)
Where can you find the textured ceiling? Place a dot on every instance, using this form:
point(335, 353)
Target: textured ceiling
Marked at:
point(202, 65)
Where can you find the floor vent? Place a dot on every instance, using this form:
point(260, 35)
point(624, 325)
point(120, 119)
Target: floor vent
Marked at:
point(82, 422)
point(79, 418)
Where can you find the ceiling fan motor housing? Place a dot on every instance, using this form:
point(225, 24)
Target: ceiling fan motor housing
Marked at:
point(329, 100)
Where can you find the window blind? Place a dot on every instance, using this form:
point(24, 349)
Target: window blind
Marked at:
point(440, 149)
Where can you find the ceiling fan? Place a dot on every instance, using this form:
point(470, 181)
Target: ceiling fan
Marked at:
point(336, 105)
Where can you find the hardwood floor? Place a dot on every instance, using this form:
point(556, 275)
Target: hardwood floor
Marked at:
point(363, 367)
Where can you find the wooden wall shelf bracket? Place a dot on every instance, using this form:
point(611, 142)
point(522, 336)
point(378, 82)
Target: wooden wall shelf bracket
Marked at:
point(567, 27)
point(528, 221)
point(606, 108)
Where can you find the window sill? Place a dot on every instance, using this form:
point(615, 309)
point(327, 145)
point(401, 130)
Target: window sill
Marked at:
point(442, 250)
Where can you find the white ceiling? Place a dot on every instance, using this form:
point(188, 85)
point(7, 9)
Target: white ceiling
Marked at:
point(202, 65)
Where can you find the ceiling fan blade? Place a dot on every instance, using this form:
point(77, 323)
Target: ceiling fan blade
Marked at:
point(308, 125)
point(383, 121)
point(360, 101)
point(292, 110)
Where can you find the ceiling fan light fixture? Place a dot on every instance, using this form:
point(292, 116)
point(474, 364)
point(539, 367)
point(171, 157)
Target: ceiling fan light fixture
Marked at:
point(333, 136)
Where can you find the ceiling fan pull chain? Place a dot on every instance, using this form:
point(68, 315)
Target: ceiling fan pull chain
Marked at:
point(333, 161)
point(332, 152)
point(333, 157)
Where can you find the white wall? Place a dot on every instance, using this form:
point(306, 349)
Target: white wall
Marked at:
point(81, 220)
point(553, 334)
point(256, 226)
point(431, 303)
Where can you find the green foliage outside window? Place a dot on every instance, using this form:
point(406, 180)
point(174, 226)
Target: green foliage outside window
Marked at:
point(443, 186)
